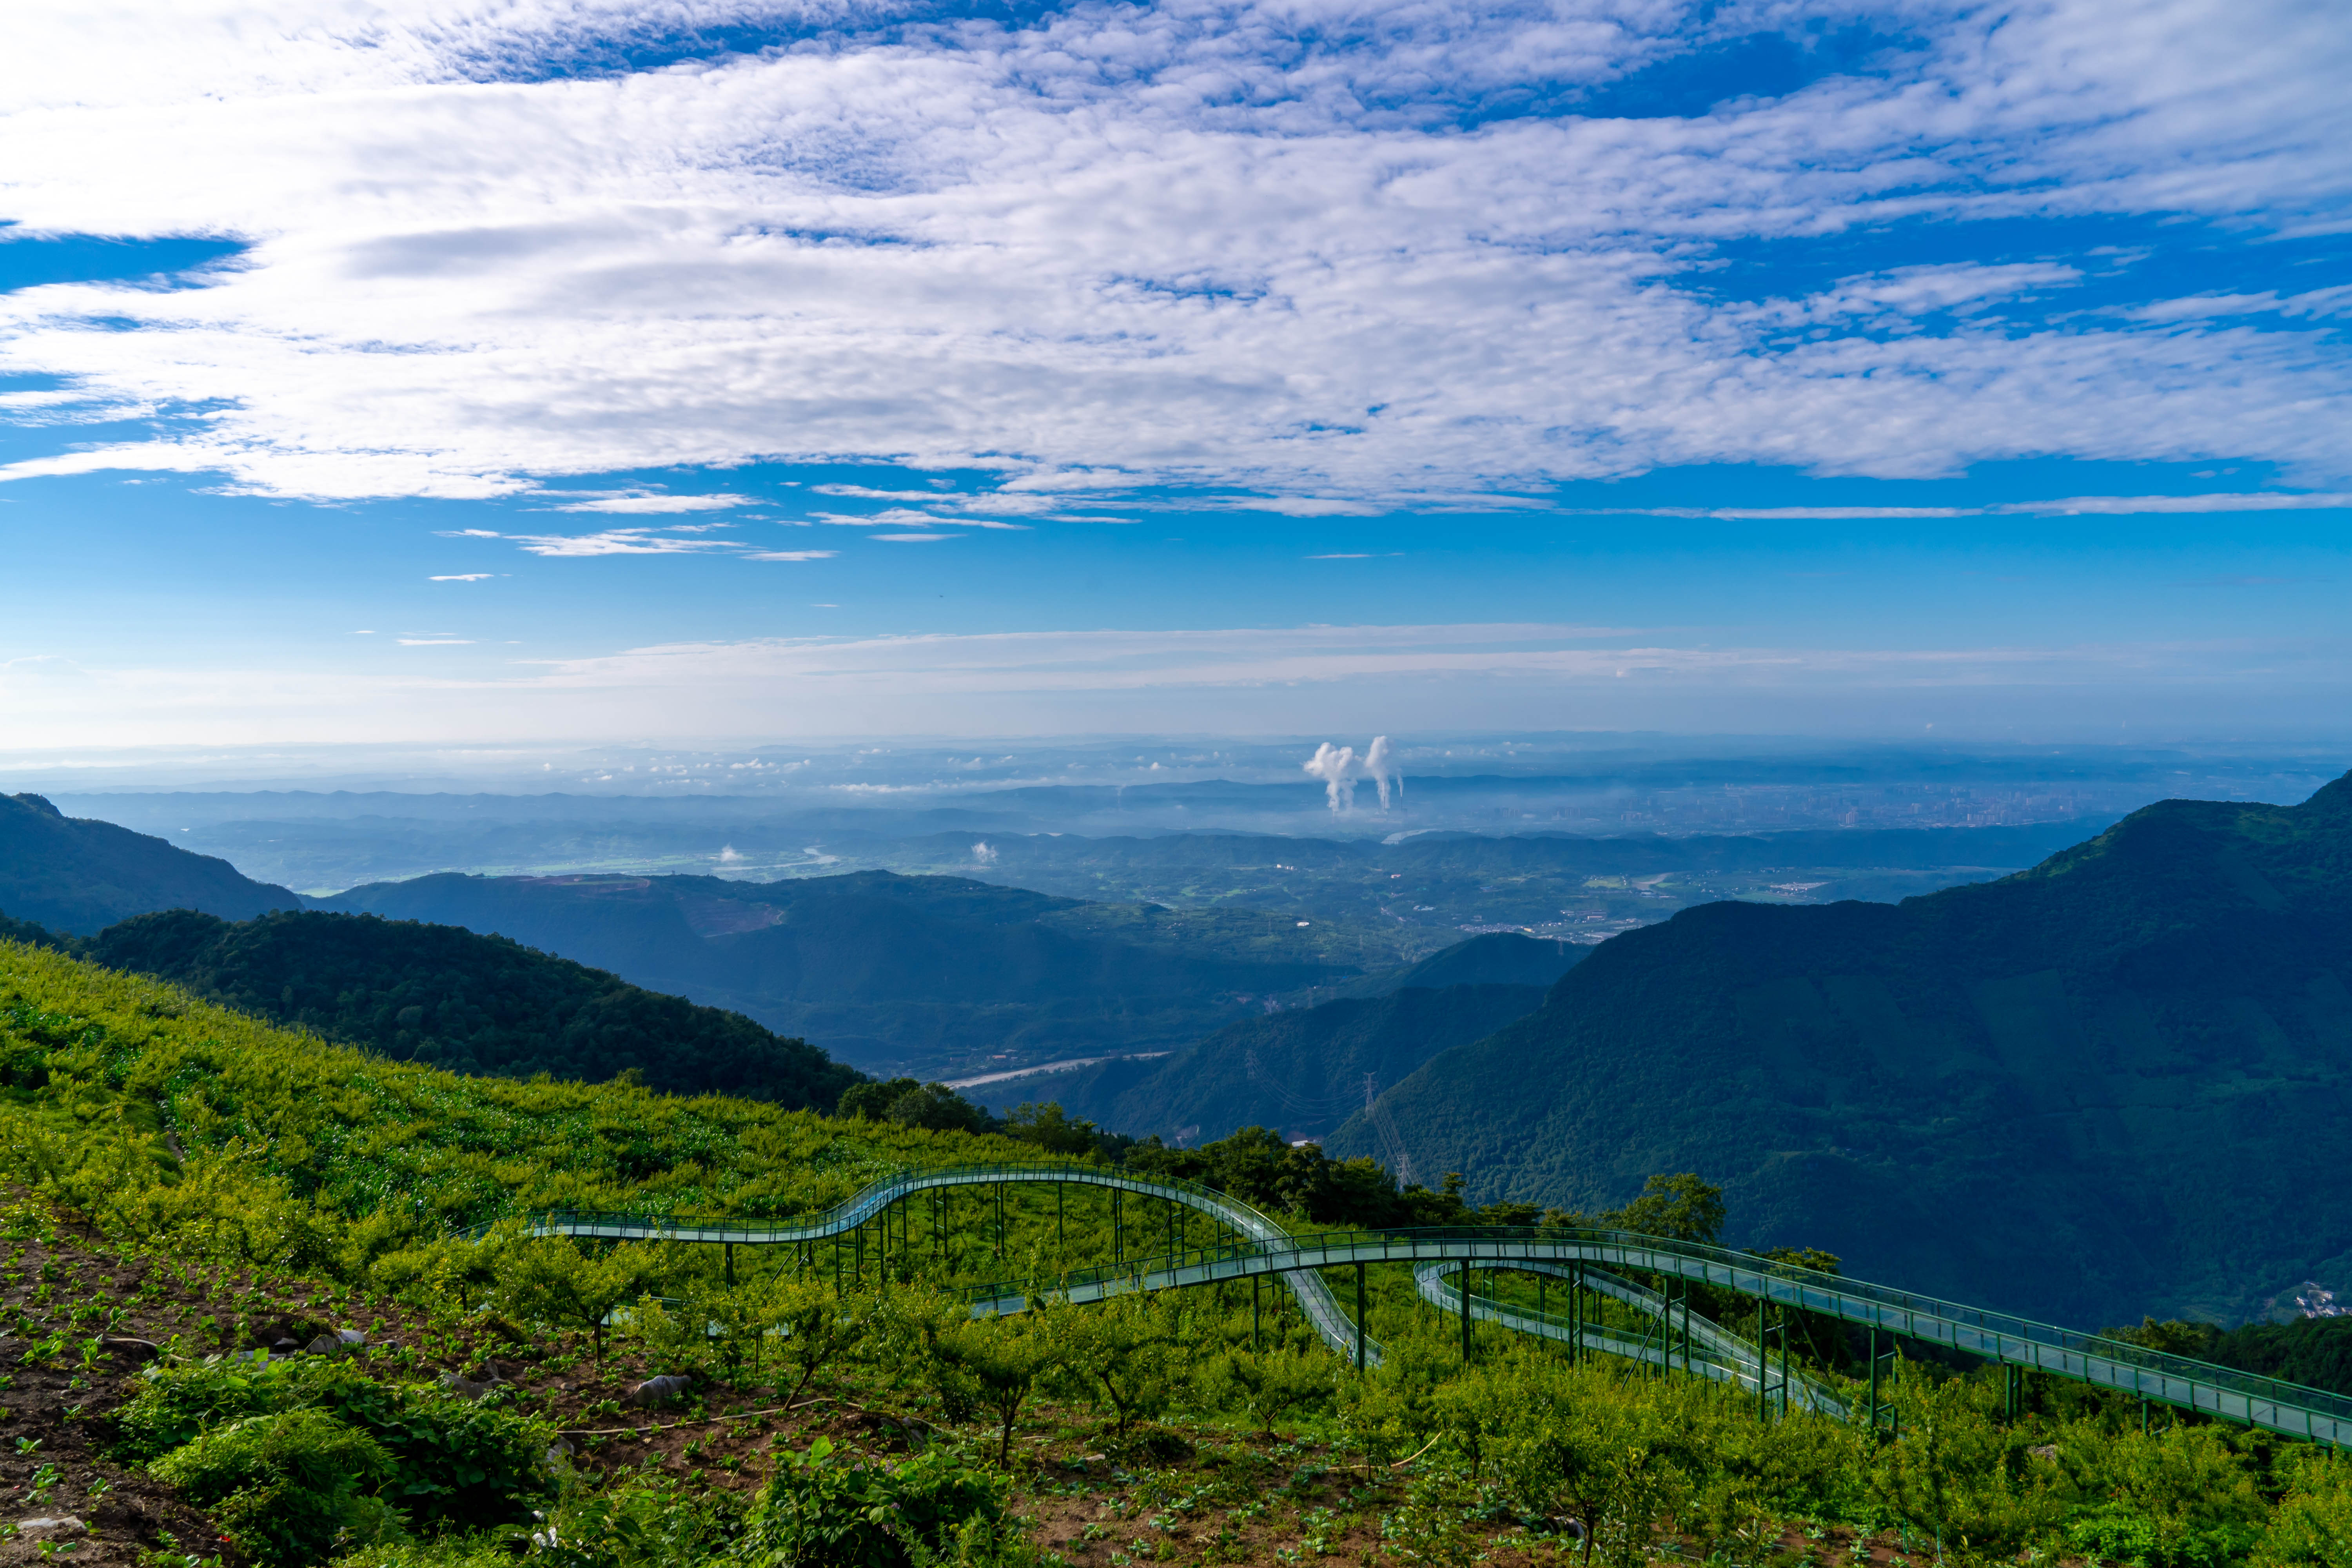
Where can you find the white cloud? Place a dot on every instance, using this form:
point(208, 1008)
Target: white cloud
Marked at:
point(465, 577)
point(651, 502)
point(618, 541)
point(2116, 506)
point(1137, 245)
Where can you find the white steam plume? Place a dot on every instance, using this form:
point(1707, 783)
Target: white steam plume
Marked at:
point(1338, 772)
point(1379, 766)
point(1340, 768)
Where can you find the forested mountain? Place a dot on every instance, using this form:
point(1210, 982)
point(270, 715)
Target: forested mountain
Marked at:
point(2114, 1082)
point(896, 974)
point(483, 1005)
point(1494, 958)
point(1301, 1072)
point(76, 875)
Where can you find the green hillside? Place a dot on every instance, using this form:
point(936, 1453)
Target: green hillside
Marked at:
point(480, 1005)
point(239, 1320)
point(898, 974)
point(75, 875)
point(2113, 1083)
point(1299, 1070)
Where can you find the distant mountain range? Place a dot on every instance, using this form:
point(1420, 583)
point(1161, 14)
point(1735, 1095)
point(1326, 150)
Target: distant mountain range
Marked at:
point(471, 1003)
point(74, 875)
point(2119, 1083)
point(898, 974)
point(1304, 1072)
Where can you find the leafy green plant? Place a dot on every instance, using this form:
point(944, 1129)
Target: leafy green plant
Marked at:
point(289, 1488)
point(455, 1464)
point(2313, 1526)
point(818, 1511)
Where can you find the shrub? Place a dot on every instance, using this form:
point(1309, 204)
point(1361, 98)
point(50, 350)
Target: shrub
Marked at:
point(454, 1464)
point(287, 1487)
point(819, 1513)
point(2313, 1526)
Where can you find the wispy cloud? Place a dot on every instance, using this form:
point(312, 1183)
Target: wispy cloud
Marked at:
point(652, 502)
point(465, 577)
point(1121, 248)
point(1231, 679)
point(2114, 506)
point(668, 539)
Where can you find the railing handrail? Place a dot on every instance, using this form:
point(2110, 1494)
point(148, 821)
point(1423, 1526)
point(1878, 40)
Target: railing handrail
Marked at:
point(1285, 1253)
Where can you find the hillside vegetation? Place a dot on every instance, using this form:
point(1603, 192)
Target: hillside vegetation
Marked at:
point(206, 1188)
point(199, 1187)
point(472, 1003)
point(917, 975)
point(2113, 1083)
point(74, 875)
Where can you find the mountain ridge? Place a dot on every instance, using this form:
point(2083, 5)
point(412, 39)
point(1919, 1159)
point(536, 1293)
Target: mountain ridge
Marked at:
point(78, 875)
point(2107, 1081)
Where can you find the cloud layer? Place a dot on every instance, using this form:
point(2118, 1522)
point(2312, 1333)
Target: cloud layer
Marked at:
point(1227, 680)
point(1336, 253)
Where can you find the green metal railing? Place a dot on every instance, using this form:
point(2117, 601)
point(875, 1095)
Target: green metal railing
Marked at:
point(1707, 1350)
point(1265, 1249)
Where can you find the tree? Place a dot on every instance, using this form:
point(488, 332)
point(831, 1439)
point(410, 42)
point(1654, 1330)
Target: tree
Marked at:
point(1677, 1208)
point(1270, 1384)
point(1128, 1354)
point(553, 1281)
point(1051, 1129)
point(820, 1328)
point(911, 1103)
point(1000, 1360)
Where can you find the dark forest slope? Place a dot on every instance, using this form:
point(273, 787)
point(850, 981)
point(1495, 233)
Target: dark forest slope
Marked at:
point(2113, 1084)
point(469, 1003)
point(895, 974)
point(1301, 1072)
point(1496, 958)
point(74, 875)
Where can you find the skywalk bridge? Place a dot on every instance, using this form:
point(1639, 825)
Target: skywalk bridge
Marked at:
point(1250, 1245)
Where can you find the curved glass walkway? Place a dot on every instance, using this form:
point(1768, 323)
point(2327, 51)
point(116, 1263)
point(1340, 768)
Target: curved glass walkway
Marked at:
point(1257, 1247)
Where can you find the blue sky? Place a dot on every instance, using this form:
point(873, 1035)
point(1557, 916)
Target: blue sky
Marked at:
point(730, 371)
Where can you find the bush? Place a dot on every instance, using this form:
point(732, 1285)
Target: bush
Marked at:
point(289, 1488)
point(2313, 1526)
point(486, 1551)
point(174, 1406)
point(454, 1464)
point(819, 1513)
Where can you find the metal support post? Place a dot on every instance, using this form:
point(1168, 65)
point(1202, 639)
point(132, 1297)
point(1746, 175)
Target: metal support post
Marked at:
point(1118, 1226)
point(1360, 1317)
point(1873, 1379)
point(730, 1265)
point(1257, 1283)
point(1466, 1311)
point(1059, 1237)
point(1784, 1364)
point(1884, 1407)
